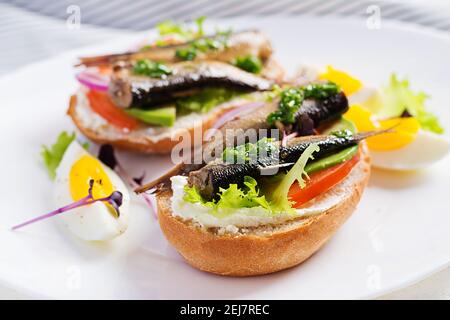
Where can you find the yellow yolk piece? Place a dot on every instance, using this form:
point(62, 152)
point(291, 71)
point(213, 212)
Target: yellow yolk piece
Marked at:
point(404, 132)
point(85, 169)
point(362, 118)
point(347, 83)
point(404, 129)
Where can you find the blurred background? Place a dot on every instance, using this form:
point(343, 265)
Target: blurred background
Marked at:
point(33, 30)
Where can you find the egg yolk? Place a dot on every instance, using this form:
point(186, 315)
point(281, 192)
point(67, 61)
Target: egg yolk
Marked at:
point(404, 129)
point(88, 168)
point(347, 83)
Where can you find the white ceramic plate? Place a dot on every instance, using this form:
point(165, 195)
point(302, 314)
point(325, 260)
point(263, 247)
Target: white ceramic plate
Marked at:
point(399, 234)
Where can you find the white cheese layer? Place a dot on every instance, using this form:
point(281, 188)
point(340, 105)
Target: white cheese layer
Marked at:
point(95, 122)
point(244, 217)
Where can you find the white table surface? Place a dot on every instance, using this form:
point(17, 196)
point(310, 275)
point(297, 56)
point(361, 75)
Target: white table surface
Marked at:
point(436, 286)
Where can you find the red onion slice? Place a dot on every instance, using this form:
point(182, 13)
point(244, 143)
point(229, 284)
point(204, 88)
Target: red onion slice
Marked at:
point(286, 138)
point(244, 109)
point(93, 81)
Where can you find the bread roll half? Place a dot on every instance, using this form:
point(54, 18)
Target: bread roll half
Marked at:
point(267, 248)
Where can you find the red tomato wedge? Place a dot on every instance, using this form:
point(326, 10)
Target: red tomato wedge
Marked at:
point(102, 105)
point(320, 182)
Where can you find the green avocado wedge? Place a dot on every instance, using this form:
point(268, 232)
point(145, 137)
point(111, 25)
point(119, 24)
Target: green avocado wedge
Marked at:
point(337, 158)
point(332, 160)
point(162, 116)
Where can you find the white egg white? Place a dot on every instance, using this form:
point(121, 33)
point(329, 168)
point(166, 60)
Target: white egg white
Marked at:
point(425, 150)
point(94, 222)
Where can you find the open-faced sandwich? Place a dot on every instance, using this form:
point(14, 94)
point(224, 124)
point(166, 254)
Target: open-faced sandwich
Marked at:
point(267, 205)
point(185, 80)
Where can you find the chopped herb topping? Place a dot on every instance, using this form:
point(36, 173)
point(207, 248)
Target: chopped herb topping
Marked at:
point(291, 100)
point(219, 42)
point(186, 54)
point(151, 69)
point(345, 133)
point(249, 63)
point(249, 151)
point(320, 91)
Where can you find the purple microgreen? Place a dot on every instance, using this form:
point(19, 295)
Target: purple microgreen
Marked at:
point(107, 156)
point(114, 199)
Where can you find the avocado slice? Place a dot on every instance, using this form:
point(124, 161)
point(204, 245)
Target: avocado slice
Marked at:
point(337, 158)
point(162, 116)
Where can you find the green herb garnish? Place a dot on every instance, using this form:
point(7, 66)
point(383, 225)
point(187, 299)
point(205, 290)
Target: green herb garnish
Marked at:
point(320, 91)
point(151, 69)
point(219, 42)
point(186, 54)
point(249, 151)
point(249, 63)
point(291, 100)
point(345, 133)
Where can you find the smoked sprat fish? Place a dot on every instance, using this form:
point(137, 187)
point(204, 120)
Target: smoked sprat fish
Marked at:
point(251, 42)
point(219, 174)
point(127, 89)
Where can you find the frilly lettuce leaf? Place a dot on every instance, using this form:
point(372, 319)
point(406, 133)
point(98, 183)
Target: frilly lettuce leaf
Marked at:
point(279, 198)
point(397, 97)
point(53, 155)
point(231, 197)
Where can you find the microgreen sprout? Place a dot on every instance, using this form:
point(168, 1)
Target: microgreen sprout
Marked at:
point(114, 199)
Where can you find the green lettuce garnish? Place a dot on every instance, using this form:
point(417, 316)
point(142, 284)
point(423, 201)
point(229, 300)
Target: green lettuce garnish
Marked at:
point(53, 155)
point(279, 197)
point(232, 197)
point(398, 97)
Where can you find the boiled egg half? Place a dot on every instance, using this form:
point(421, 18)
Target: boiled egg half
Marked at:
point(407, 147)
point(98, 221)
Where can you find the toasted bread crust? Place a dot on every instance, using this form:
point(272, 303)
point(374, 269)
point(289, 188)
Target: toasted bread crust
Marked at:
point(255, 253)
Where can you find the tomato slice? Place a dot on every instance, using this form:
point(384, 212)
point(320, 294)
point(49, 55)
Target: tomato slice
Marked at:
point(103, 106)
point(320, 182)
